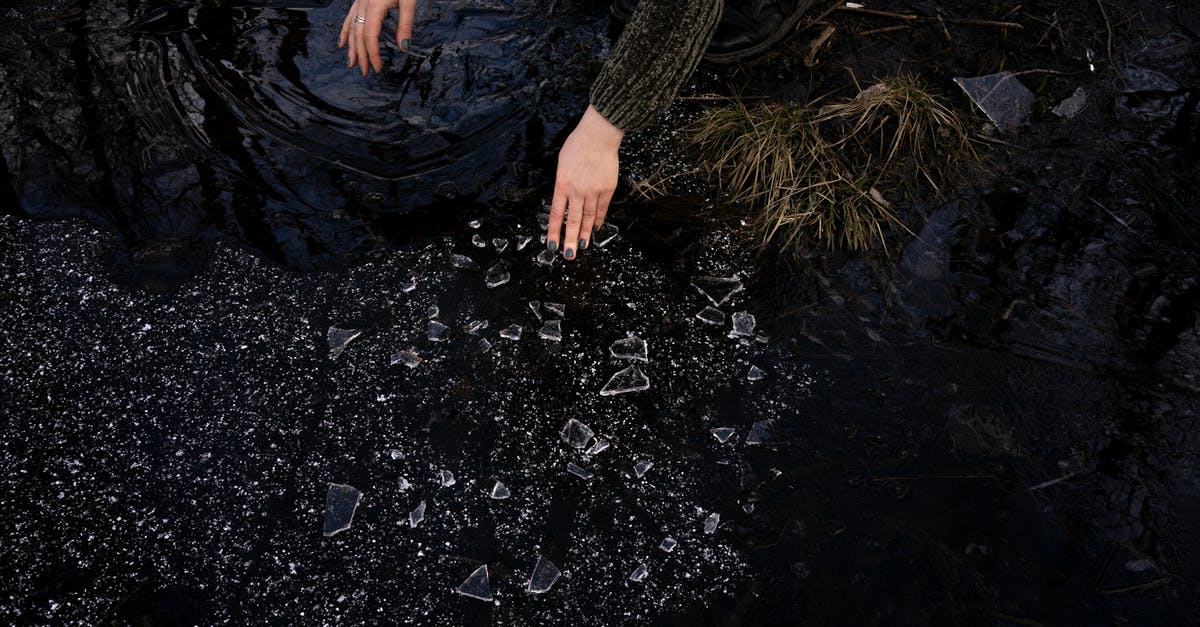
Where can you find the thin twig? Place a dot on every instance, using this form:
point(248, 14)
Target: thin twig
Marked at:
point(885, 29)
point(909, 17)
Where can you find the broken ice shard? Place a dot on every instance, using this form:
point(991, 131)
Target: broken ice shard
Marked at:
point(545, 573)
point(641, 466)
point(403, 484)
point(605, 234)
point(475, 224)
point(436, 331)
point(599, 445)
point(339, 338)
point(500, 491)
point(512, 332)
point(632, 347)
point(546, 258)
point(484, 345)
point(536, 307)
point(1071, 107)
point(523, 241)
point(710, 523)
point(432, 312)
point(477, 240)
point(639, 574)
point(755, 374)
point(497, 275)
point(557, 309)
point(748, 508)
point(717, 289)
point(417, 516)
point(551, 330)
point(711, 315)
point(743, 325)
point(477, 586)
point(474, 326)
point(631, 379)
point(577, 434)
point(668, 544)
point(340, 503)
point(760, 432)
point(409, 358)
point(578, 471)
point(462, 262)
point(409, 285)
point(500, 243)
point(722, 434)
point(1001, 97)
point(446, 478)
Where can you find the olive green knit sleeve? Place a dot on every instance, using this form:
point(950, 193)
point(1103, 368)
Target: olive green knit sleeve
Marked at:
point(654, 56)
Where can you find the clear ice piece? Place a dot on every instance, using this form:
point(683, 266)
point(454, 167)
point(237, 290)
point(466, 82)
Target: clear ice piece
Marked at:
point(446, 478)
point(639, 574)
point(536, 307)
point(632, 347)
point(417, 516)
point(551, 330)
point(475, 326)
point(432, 312)
point(557, 309)
point(546, 258)
point(577, 434)
point(711, 315)
point(478, 241)
point(500, 243)
point(477, 585)
point(475, 224)
point(523, 241)
point(576, 470)
point(760, 432)
point(339, 338)
point(409, 358)
point(500, 491)
point(755, 374)
point(631, 379)
point(497, 275)
point(340, 503)
point(436, 331)
point(668, 544)
point(462, 262)
point(409, 286)
point(484, 345)
point(722, 434)
point(743, 325)
point(511, 332)
point(545, 573)
point(710, 523)
point(403, 484)
point(1001, 97)
point(598, 446)
point(717, 289)
point(605, 234)
point(641, 466)
point(1071, 107)
point(748, 508)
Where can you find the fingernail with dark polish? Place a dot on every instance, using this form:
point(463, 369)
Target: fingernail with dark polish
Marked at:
point(582, 244)
point(406, 45)
point(570, 254)
point(552, 245)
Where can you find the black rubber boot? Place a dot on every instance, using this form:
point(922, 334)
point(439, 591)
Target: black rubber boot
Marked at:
point(747, 27)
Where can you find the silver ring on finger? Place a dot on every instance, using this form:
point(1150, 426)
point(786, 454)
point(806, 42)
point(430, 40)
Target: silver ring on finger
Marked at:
point(358, 19)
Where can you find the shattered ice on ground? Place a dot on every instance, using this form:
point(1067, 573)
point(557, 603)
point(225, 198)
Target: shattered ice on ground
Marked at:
point(475, 326)
point(748, 508)
point(477, 585)
point(668, 544)
point(340, 503)
point(546, 258)
point(545, 573)
point(409, 285)
point(432, 311)
point(632, 347)
point(722, 434)
point(436, 331)
point(551, 330)
point(536, 307)
point(1072, 106)
point(743, 325)
point(710, 523)
point(760, 432)
point(462, 262)
point(409, 358)
point(578, 471)
point(717, 289)
point(478, 241)
point(577, 434)
point(641, 466)
point(446, 478)
point(417, 516)
point(605, 234)
point(497, 275)
point(598, 446)
point(557, 309)
point(339, 338)
point(512, 332)
point(631, 379)
point(755, 374)
point(500, 491)
point(484, 345)
point(500, 243)
point(523, 241)
point(1005, 101)
point(475, 224)
point(403, 484)
point(639, 574)
point(711, 315)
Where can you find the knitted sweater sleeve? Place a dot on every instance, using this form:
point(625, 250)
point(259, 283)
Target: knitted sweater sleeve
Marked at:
point(657, 52)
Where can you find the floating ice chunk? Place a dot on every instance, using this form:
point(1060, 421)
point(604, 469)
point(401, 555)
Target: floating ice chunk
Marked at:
point(475, 224)
point(578, 471)
point(500, 491)
point(339, 338)
point(497, 275)
point(409, 358)
point(711, 315)
point(340, 503)
point(511, 332)
point(631, 379)
point(523, 241)
point(500, 243)
point(403, 484)
point(432, 312)
point(632, 347)
point(1002, 97)
point(546, 258)
point(605, 234)
point(641, 466)
point(577, 434)
point(557, 309)
point(475, 326)
point(551, 330)
point(760, 432)
point(717, 289)
point(536, 307)
point(710, 523)
point(722, 434)
point(544, 575)
point(462, 262)
point(417, 516)
point(484, 345)
point(409, 285)
point(755, 374)
point(477, 585)
point(436, 331)
point(598, 446)
point(639, 574)
point(668, 544)
point(743, 325)
point(446, 478)
point(478, 241)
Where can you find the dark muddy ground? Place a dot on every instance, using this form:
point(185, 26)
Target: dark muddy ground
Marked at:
point(992, 425)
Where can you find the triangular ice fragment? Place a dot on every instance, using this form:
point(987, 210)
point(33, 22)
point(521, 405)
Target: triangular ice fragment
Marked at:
point(632, 347)
point(631, 379)
point(717, 289)
point(477, 585)
point(545, 573)
point(339, 338)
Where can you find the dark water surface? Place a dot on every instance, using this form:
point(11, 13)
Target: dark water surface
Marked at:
point(995, 425)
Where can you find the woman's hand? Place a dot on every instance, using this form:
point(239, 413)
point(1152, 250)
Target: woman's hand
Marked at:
point(584, 185)
point(363, 24)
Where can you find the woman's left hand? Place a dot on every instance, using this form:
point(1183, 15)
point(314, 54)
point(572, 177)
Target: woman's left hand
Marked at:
point(364, 23)
point(584, 185)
